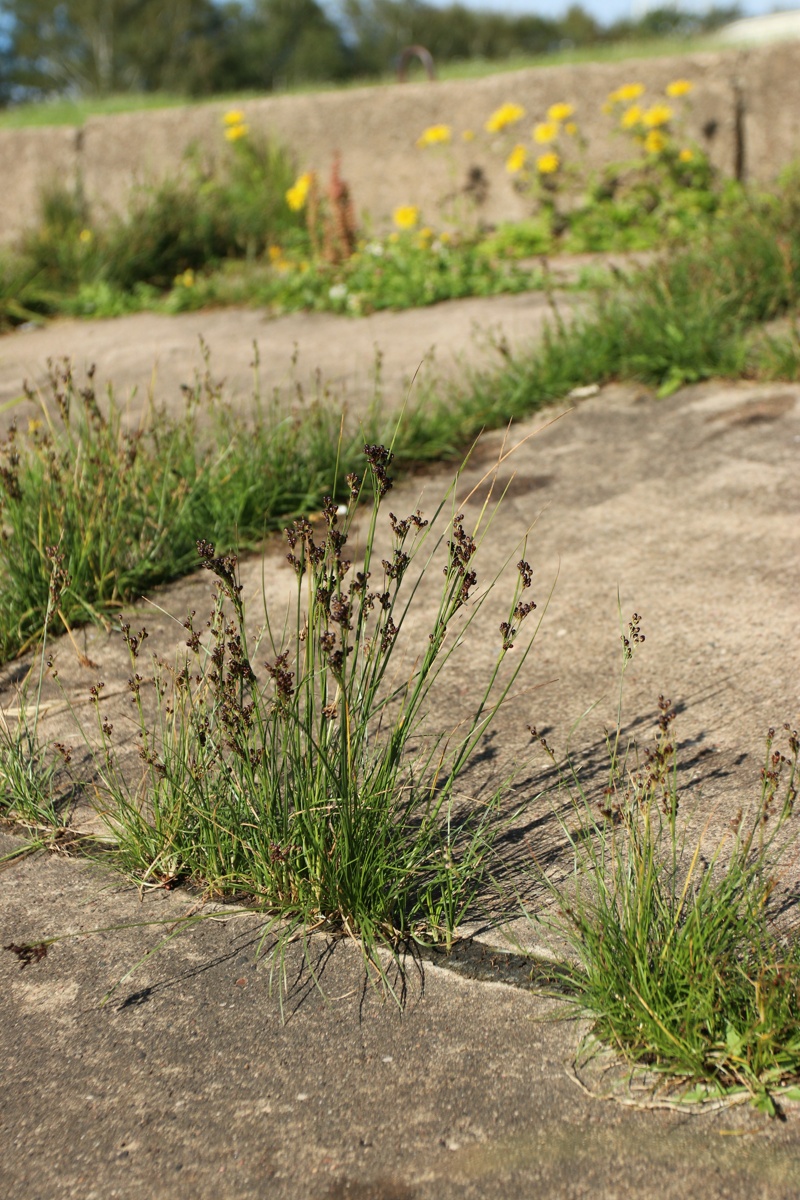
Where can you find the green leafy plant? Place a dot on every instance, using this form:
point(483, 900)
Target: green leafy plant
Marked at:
point(309, 781)
point(686, 317)
point(126, 505)
point(29, 769)
point(21, 300)
point(678, 957)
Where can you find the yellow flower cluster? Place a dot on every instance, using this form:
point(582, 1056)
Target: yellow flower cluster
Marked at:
point(298, 193)
point(657, 115)
point(655, 142)
point(679, 87)
point(545, 132)
point(548, 164)
point(406, 216)
point(235, 125)
point(435, 135)
point(516, 159)
point(560, 112)
point(507, 114)
point(627, 93)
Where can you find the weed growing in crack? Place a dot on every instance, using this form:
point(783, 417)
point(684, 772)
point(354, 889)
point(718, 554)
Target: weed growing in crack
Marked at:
point(126, 504)
point(680, 960)
point(296, 768)
point(28, 769)
point(689, 316)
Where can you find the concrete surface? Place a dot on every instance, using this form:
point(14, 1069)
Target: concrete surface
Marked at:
point(742, 102)
point(148, 352)
point(188, 1080)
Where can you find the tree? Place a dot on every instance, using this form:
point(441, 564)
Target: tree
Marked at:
point(280, 42)
point(94, 47)
point(378, 30)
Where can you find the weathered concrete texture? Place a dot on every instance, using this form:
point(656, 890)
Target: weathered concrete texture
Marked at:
point(188, 1082)
point(376, 128)
point(687, 505)
point(30, 160)
point(769, 80)
point(416, 343)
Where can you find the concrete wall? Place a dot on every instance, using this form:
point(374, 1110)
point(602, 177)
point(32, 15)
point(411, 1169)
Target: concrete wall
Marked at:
point(743, 110)
point(31, 159)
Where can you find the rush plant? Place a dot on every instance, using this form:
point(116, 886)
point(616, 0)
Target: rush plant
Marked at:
point(680, 958)
point(296, 768)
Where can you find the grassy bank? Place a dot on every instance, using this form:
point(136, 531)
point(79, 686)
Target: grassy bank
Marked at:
point(126, 507)
point(295, 771)
point(684, 958)
point(243, 229)
point(63, 112)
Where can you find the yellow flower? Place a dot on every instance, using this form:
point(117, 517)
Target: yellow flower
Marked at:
point(435, 134)
point(686, 155)
point(506, 114)
point(234, 117)
point(571, 128)
point(85, 236)
point(298, 193)
point(546, 132)
point(548, 164)
point(659, 114)
point(424, 237)
point(516, 160)
point(275, 253)
point(655, 142)
point(468, 136)
point(679, 87)
point(186, 279)
point(631, 117)
point(626, 93)
point(560, 112)
point(34, 425)
point(236, 131)
point(406, 216)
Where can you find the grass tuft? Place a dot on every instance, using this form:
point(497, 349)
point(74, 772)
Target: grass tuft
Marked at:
point(125, 503)
point(296, 768)
point(679, 958)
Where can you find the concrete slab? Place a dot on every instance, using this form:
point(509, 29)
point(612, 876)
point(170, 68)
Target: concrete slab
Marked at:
point(188, 1079)
point(151, 353)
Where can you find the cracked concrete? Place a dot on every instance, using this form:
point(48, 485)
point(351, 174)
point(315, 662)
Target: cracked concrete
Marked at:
point(189, 1078)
